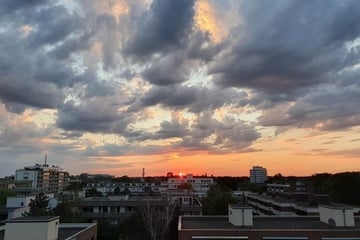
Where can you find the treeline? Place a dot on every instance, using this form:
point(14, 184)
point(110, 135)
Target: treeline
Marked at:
point(343, 187)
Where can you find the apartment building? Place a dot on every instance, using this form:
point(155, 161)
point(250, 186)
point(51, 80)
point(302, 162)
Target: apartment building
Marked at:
point(44, 178)
point(258, 174)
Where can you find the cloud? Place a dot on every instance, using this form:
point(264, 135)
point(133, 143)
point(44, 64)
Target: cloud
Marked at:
point(328, 110)
point(9, 6)
point(303, 51)
point(163, 27)
point(194, 99)
point(217, 77)
point(96, 116)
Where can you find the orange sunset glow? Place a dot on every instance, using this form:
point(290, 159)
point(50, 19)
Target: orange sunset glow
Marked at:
point(201, 87)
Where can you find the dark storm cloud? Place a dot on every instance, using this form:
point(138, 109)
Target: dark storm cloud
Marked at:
point(54, 23)
point(328, 110)
point(199, 47)
point(171, 69)
point(35, 68)
point(229, 135)
point(175, 67)
point(195, 99)
point(8, 6)
point(163, 27)
point(97, 116)
point(293, 45)
point(167, 129)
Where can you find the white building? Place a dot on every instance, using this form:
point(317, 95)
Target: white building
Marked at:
point(46, 228)
point(258, 174)
point(18, 205)
point(200, 185)
point(45, 178)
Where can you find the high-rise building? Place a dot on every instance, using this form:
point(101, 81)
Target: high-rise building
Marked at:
point(45, 178)
point(258, 174)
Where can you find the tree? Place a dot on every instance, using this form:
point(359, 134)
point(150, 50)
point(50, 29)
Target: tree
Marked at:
point(39, 206)
point(217, 200)
point(93, 193)
point(3, 196)
point(68, 212)
point(117, 191)
point(156, 220)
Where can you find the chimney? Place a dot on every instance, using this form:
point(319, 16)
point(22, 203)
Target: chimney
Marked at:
point(240, 215)
point(338, 216)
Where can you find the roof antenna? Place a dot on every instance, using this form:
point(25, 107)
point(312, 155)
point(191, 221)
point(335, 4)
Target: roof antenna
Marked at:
point(45, 159)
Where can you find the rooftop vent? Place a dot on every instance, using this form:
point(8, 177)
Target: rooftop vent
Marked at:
point(240, 215)
point(337, 216)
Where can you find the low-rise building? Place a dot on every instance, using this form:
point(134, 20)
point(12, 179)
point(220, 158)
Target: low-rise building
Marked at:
point(200, 185)
point(333, 224)
point(107, 188)
point(279, 205)
point(187, 202)
point(116, 208)
point(46, 228)
point(17, 206)
point(6, 184)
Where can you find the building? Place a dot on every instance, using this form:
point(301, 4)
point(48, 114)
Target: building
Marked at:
point(258, 174)
point(46, 228)
point(116, 208)
point(334, 223)
point(6, 184)
point(289, 203)
point(44, 178)
point(187, 202)
point(293, 185)
point(279, 205)
point(16, 206)
point(200, 185)
point(109, 188)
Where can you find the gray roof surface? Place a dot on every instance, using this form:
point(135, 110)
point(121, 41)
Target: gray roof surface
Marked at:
point(65, 233)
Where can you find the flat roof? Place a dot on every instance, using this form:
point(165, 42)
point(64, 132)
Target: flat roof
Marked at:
point(33, 219)
point(67, 230)
point(263, 222)
point(284, 200)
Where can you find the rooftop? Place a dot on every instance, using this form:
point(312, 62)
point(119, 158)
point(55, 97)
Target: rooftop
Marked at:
point(66, 230)
point(263, 222)
point(33, 219)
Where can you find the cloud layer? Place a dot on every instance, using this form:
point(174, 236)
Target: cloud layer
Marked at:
point(130, 77)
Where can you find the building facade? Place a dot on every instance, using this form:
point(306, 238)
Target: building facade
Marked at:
point(200, 185)
point(44, 178)
point(258, 174)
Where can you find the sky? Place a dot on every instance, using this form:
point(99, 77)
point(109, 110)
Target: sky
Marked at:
point(201, 87)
